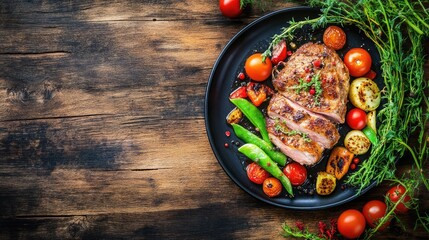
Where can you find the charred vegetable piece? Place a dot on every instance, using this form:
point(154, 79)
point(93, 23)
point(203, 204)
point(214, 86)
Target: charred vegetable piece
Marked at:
point(248, 137)
point(254, 115)
point(234, 116)
point(364, 94)
point(325, 183)
point(357, 142)
point(260, 157)
point(258, 93)
point(339, 162)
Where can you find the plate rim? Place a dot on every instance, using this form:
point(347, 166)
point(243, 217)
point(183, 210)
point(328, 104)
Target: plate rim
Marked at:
point(210, 136)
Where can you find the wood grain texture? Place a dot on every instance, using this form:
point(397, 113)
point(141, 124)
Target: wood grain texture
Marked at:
point(102, 130)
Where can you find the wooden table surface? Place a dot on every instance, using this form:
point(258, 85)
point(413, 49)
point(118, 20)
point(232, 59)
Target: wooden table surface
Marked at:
point(102, 131)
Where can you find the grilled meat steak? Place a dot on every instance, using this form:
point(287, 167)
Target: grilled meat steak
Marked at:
point(317, 63)
point(293, 143)
point(312, 88)
point(318, 128)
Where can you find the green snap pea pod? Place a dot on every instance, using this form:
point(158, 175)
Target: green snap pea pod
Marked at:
point(371, 135)
point(260, 157)
point(254, 115)
point(248, 137)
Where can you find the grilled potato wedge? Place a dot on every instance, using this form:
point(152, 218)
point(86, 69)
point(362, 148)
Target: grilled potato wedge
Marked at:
point(325, 183)
point(234, 116)
point(339, 162)
point(364, 94)
point(357, 142)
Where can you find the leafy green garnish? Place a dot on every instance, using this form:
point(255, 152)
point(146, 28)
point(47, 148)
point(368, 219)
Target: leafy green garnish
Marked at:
point(257, 3)
point(399, 30)
point(289, 132)
point(314, 83)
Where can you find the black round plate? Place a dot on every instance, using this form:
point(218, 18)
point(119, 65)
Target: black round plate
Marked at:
point(256, 37)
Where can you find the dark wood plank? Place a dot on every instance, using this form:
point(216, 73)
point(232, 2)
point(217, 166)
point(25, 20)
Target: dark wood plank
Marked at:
point(208, 221)
point(25, 12)
point(98, 176)
point(87, 80)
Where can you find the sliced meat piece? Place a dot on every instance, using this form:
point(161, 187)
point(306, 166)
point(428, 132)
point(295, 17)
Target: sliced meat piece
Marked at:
point(317, 127)
point(317, 63)
point(293, 143)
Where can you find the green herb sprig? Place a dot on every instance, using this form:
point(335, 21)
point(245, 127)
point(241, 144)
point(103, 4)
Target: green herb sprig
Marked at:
point(314, 83)
point(298, 233)
point(287, 33)
point(399, 41)
point(257, 3)
point(398, 29)
point(304, 136)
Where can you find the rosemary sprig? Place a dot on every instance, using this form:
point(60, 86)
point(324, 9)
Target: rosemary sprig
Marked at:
point(288, 33)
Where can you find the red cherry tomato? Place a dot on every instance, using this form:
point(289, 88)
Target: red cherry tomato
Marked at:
point(358, 61)
point(334, 37)
point(256, 173)
point(395, 193)
point(230, 8)
point(356, 118)
point(351, 223)
point(296, 173)
point(240, 92)
point(371, 74)
point(272, 187)
point(279, 52)
point(373, 211)
point(257, 69)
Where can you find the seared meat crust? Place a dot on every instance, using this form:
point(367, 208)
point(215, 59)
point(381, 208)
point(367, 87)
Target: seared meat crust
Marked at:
point(332, 73)
point(292, 143)
point(312, 88)
point(317, 127)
